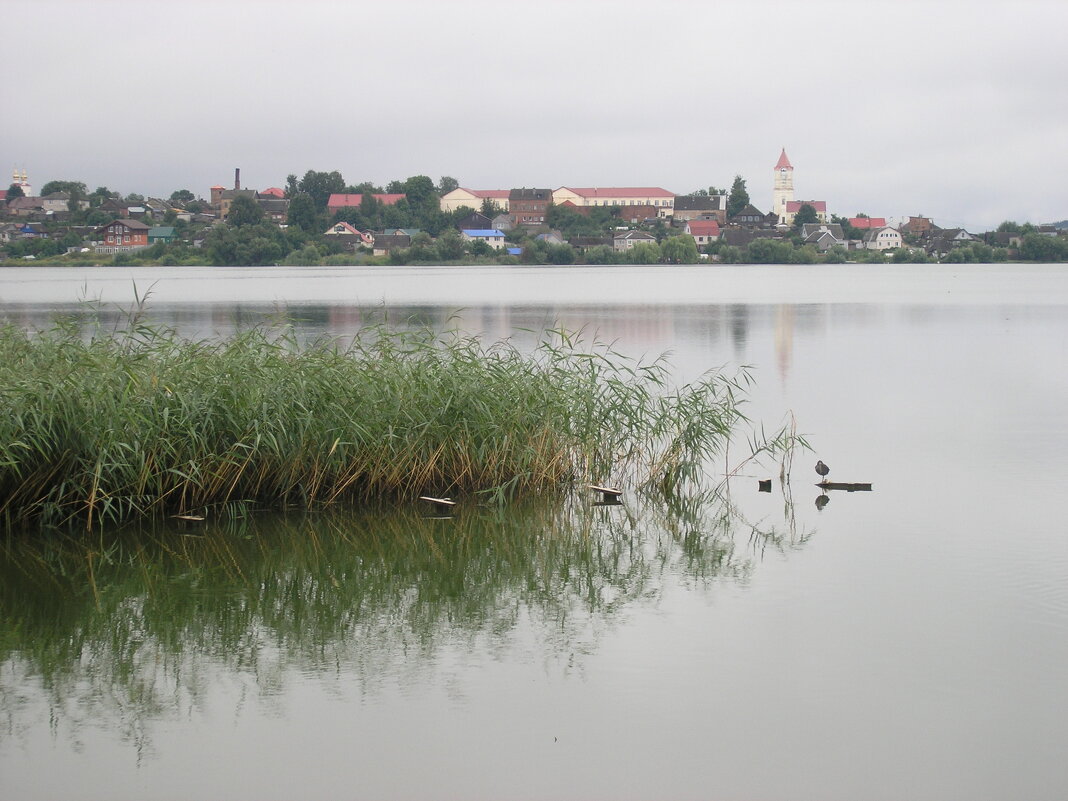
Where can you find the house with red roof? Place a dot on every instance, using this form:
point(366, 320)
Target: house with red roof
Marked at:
point(350, 236)
point(704, 232)
point(339, 201)
point(864, 223)
point(794, 206)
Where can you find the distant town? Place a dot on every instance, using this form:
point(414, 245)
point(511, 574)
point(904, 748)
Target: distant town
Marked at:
point(320, 219)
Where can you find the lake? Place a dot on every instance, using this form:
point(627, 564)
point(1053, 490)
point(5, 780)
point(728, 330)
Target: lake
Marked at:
point(907, 642)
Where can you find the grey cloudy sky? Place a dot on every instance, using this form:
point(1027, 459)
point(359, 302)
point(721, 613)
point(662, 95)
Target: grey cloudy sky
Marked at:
point(951, 109)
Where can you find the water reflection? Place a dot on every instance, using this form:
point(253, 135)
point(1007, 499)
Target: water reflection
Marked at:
point(130, 629)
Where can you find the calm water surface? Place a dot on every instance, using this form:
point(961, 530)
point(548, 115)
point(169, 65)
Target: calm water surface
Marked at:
point(908, 643)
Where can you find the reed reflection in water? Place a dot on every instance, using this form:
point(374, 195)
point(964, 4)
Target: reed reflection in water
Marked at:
point(142, 627)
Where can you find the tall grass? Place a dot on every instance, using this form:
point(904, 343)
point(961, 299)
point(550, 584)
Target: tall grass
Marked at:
point(119, 424)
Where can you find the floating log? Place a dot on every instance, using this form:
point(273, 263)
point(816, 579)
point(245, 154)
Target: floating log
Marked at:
point(848, 487)
point(609, 495)
point(764, 484)
point(195, 518)
point(440, 504)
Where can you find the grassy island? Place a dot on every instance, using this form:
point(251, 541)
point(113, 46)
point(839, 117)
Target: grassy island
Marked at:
point(110, 426)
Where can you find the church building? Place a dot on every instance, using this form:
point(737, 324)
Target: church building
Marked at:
point(782, 198)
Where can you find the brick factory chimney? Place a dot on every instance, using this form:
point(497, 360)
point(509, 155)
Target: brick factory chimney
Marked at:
point(237, 178)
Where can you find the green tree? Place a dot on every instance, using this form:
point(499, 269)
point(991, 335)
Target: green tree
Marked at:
point(246, 245)
point(321, 185)
point(446, 184)
point(180, 196)
point(679, 250)
point(450, 246)
point(561, 254)
point(836, 255)
point(69, 187)
point(1039, 247)
point(601, 254)
point(806, 214)
point(848, 231)
point(490, 208)
point(302, 213)
point(770, 251)
point(739, 197)
point(644, 253)
point(99, 195)
point(244, 211)
point(14, 191)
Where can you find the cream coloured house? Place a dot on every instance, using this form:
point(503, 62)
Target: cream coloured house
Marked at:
point(473, 198)
point(661, 199)
point(882, 238)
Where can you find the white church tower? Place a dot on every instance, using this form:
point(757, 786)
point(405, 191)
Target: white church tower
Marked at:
point(784, 186)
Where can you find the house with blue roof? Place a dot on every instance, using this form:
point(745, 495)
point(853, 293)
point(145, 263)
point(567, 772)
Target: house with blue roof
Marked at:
point(491, 236)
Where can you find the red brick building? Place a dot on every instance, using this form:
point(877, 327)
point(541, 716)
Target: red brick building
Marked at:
point(121, 235)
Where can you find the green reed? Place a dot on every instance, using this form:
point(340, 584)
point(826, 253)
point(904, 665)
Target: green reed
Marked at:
point(119, 424)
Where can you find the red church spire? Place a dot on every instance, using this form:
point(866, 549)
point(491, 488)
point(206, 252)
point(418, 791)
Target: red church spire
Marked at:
point(783, 161)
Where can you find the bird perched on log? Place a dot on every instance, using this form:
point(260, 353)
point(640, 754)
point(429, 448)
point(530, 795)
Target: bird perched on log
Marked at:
point(822, 469)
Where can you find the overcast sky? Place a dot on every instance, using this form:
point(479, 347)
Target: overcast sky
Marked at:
point(955, 110)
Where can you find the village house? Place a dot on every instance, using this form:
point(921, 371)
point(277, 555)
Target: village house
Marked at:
point(823, 235)
point(30, 207)
point(917, 226)
point(704, 232)
point(885, 238)
point(635, 215)
point(701, 207)
point(350, 236)
point(384, 244)
point(528, 207)
point(161, 233)
point(273, 201)
point(628, 239)
point(662, 200)
point(474, 199)
point(341, 200)
point(865, 223)
point(940, 241)
point(550, 238)
point(491, 236)
point(794, 206)
point(60, 202)
point(475, 220)
point(749, 216)
point(120, 236)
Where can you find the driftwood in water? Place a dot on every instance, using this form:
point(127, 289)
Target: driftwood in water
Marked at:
point(441, 504)
point(848, 487)
point(609, 495)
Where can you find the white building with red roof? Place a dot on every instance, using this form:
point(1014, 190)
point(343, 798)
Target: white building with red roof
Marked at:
point(661, 199)
point(704, 232)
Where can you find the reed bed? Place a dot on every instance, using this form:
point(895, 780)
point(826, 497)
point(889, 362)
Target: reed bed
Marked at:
point(118, 424)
